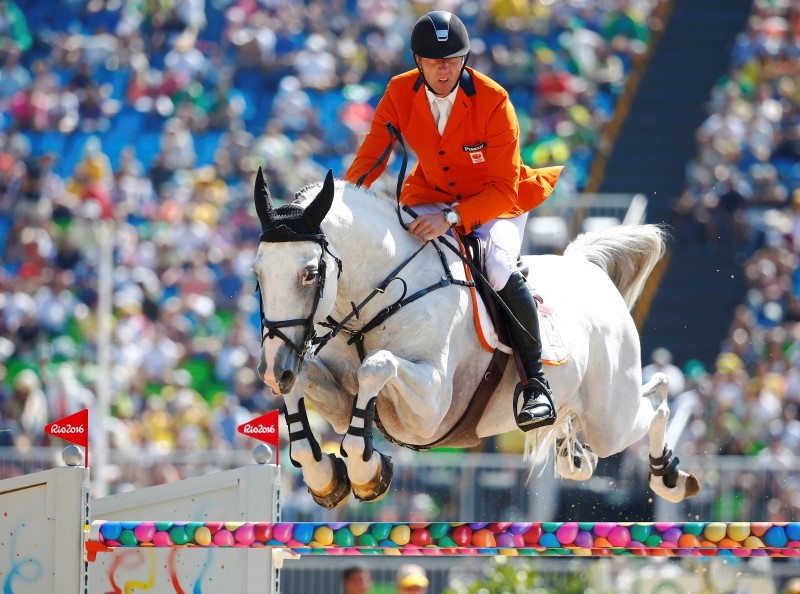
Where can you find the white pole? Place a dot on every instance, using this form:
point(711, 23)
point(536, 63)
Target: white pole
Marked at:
point(105, 271)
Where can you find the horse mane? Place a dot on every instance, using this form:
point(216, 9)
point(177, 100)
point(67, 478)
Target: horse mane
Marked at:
point(627, 254)
point(350, 193)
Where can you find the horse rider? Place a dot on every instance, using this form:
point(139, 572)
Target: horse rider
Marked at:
point(464, 131)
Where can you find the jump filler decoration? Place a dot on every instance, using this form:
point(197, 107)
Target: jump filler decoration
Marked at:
point(264, 428)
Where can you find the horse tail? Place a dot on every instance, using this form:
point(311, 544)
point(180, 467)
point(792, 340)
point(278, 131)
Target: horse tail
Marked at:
point(627, 254)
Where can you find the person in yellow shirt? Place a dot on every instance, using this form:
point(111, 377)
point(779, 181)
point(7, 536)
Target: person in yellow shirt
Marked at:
point(412, 579)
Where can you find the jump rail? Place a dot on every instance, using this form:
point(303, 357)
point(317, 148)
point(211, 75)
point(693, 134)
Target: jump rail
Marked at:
point(674, 539)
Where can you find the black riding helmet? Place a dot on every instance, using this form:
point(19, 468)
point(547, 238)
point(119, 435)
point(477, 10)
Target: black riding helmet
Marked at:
point(440, 34)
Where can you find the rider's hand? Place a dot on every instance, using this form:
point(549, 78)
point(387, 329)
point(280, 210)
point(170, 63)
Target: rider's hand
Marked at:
point(429, 226)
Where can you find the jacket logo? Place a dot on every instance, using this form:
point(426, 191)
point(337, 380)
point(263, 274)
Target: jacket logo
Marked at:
point(475, 147)
point(477, 157)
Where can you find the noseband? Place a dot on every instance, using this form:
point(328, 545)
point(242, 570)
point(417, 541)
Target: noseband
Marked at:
point(271, 329)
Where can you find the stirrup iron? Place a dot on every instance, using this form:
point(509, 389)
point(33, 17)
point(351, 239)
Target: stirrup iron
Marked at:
point(545, 420)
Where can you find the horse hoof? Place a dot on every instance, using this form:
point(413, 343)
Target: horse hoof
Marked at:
point(375, 490)
point(340, 489)
point(692, 486)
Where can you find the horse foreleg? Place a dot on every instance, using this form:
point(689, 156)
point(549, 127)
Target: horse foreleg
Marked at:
point(665, 479)
point(325, 476)
point(370, 471)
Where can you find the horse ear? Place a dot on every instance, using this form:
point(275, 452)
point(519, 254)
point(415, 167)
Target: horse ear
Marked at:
point(319, 207)
point(263, 200)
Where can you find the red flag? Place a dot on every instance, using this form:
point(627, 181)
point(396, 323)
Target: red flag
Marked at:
point(74, 428)
point(264, 428)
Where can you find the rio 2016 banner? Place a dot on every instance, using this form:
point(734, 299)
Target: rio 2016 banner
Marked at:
point(74, 429)
point(264, 428)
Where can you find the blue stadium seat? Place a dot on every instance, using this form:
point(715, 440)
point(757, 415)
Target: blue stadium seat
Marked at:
point(147, 145)
point(205, 146)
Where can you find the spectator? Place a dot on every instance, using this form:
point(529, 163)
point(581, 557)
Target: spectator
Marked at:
point(292, 105)
point(28, 404)
point(14, 33)
point(185, 60)
point(185, 318)
point(412, 579)
point(14, 78)
point(177, 146)
point(661, 361)
point(315, 65)
point(356, 579)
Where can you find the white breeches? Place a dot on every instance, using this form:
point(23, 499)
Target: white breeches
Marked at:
point(502, 242)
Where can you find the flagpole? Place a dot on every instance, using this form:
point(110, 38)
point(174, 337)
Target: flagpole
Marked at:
point(103, 384)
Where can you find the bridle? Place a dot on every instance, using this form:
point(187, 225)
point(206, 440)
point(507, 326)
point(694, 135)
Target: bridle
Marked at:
point(271, 329)
point(311, 343)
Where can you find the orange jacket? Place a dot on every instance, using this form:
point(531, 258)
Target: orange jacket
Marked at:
point(475, 163)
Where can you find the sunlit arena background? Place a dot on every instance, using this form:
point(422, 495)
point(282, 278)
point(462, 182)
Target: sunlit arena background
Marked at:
point(130, 132)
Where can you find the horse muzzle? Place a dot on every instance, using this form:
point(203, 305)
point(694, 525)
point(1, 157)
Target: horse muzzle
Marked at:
point(279, 372)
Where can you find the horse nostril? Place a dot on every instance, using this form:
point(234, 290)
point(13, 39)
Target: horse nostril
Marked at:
point(286, 381)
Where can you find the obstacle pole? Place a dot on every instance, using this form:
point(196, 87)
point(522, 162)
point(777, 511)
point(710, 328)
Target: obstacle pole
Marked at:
point(741, 539)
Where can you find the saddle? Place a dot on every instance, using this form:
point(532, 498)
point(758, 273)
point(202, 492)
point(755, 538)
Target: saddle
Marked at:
point(463, 434)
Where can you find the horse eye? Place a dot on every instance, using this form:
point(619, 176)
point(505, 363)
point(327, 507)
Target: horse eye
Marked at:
point(310, 275)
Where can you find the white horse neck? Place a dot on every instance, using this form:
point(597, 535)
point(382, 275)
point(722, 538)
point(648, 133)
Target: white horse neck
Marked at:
point(363, 231)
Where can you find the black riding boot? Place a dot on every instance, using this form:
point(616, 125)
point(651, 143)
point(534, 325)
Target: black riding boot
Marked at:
point(538, 409)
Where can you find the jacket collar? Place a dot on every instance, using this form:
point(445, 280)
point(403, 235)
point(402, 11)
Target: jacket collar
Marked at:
point(465, 83)
point(461, 104)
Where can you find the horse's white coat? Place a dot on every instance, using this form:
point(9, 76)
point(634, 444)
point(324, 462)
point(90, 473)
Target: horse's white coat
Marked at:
point(425, 362)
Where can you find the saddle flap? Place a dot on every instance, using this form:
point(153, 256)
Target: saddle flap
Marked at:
point(490, 317)
point(474, 250)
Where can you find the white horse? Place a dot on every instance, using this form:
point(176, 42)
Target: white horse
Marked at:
point(323, 266)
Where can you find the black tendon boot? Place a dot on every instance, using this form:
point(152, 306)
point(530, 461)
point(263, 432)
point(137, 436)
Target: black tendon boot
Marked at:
point(538, 409)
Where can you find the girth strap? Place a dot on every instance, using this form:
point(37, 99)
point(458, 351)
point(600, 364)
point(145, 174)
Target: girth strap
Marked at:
point(462, 433)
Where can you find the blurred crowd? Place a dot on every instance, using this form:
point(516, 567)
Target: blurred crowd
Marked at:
point(132, 129)
point(743, 193)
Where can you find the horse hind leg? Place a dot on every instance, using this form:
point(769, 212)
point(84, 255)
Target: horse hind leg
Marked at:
point(573, 460)
point(666, 480)
point(325, 476)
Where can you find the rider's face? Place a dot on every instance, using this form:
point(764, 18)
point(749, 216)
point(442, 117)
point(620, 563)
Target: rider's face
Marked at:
point(441, 73)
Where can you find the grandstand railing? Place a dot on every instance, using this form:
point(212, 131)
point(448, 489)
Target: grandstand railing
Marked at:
point(477, 487)
point(556, 222)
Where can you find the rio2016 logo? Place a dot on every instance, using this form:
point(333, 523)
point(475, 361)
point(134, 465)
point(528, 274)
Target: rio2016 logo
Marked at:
point(65, 429)
point(253, 429)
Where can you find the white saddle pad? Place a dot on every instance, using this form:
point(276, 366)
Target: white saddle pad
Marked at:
point(554, 352)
